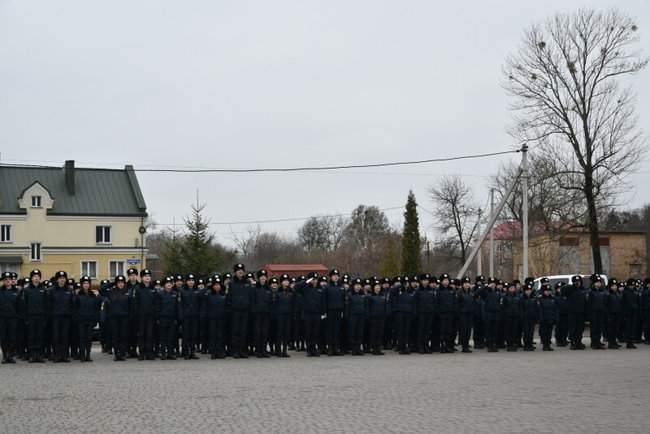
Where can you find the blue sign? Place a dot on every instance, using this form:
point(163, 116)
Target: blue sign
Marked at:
point(133, 261)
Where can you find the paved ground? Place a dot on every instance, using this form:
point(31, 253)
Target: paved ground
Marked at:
point(564, 391)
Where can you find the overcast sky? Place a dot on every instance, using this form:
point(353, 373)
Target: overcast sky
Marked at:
point(236, 84)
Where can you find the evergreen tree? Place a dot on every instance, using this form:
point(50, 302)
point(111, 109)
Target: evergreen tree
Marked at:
point(172, 256)
point(196, 249)
point(389, 266)
point(411, 263)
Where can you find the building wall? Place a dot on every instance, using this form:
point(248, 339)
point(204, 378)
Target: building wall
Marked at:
point(71, 263)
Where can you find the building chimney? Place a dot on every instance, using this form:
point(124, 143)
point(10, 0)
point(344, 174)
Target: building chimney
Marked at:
point(68, 171)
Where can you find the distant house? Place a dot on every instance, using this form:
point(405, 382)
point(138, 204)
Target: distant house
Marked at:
point(81, 220)
point(295, 270)
point(566, 251)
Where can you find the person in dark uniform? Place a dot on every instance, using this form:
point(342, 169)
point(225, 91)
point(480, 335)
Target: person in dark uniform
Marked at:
point(215, 311)
point(576, 301)
point(479, 330)
point(144, 298)
point(491, 313)
point(104, 325)
point(548, 316)
point(596, 308)
point(378, 310)
point(168, 314)
point(240, 299)
point(131, 284)
point(424, 308)
point(356, 312)
point(117, 308)
point(530, 316)
point(61, 308)
point(73, 327)
point(403, 309)
point(313, 308)
point(613, 310)
point(189, 296)
point(87, 305)
point(261, 308)
point(645, 310)
point(446, 301)
point(284, 300)
point(630, 305)
point(511, 305)
point(35, 301)
point(562, 326)
point(466, 310)
point(334, 305)
point(8, 318)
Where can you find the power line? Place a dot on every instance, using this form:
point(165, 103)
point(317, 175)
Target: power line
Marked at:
point(318, 168)
point(303, 168)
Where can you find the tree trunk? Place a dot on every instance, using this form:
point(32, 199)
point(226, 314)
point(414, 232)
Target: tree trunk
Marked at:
point(594, 232)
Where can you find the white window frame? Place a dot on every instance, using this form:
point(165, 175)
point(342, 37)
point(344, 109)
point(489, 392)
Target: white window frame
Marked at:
point(119, 261)
point(39, 247)
point(38, 199)
point(110, 234)
point(83, 272)
point(5, 230)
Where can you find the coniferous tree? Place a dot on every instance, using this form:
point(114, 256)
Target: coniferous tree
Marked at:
point(411, 263)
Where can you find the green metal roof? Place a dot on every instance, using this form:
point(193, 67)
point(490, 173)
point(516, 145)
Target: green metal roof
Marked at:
point(111, 192)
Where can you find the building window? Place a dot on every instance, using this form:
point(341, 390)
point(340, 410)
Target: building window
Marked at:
point(5, 233)
point(36, 201)
point(115, 268)
point(89, 268)
point(103, 234)
point(35, 252)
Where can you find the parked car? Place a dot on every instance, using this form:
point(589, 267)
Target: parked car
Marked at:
point(566, 278)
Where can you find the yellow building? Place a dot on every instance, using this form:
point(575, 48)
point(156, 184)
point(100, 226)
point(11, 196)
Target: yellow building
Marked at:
point(81, 220)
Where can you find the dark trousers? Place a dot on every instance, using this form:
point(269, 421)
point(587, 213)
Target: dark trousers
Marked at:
point(262, 321)
point(311, 329)
point(239, 328)
point(576, 327)
point(283, 332)
point(190, 334)
point(36, 335)
point(465, 329)
point(334, 330)
point(545, 331)
point(167, 333)
point(490, 326)
point(376, 332)
point(447, 332)
point(355, 331)
point(645, 313)
point(60, 335)
point(216, 328)
point(7, 337)
point(597, 324)
point(562, 328)
point(403, 329)
point(85, 331)
point(613, 328)
point(528, 330)
point(511, 326)
point(145, 335)
point(425, 319)
point(435, 332)
point(119, 335)
point(479, 331)
point(631, 319)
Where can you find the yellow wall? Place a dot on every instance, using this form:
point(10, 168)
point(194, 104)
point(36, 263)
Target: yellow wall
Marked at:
point(71, 263)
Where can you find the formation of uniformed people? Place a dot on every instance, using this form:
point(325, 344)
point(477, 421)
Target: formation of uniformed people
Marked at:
point(244, 314)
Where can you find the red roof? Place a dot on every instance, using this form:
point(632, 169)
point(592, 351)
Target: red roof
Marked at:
point(294, 270)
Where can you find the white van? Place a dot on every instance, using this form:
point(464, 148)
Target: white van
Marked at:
point(566, 279)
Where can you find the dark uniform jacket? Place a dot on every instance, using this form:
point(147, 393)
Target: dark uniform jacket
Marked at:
point(87, 306)
point(240, 294)
point(61, 301)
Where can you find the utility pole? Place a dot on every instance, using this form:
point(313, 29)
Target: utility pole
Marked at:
point(491, 234)
point(479, 260)
point(524, 188)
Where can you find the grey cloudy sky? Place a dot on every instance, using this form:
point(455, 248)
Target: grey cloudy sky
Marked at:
point(271, 83)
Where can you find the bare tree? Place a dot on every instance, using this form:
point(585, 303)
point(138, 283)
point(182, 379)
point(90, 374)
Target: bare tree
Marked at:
point(322, 233)
point(566, 96)
point(456, 214)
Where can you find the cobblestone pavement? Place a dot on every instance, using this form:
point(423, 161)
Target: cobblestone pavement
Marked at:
point(563, 391)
